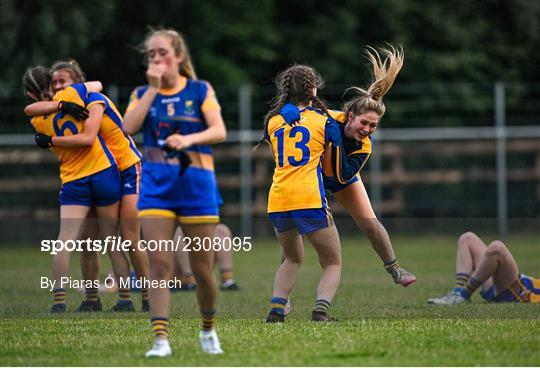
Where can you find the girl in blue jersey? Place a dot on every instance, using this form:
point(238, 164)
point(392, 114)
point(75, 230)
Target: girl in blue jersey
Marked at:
point(297, 203)
point(180, 119)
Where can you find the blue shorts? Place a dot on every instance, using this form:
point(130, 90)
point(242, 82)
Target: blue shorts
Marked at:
point(131, 179)
point(517, 292)
point(99, 189)
point(185, 215)
point(334, 186)
point(304, 221)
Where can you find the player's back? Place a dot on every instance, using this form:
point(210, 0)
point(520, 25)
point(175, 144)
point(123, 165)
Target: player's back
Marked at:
point(75, 162)
point(121, 145)
point(297, 182)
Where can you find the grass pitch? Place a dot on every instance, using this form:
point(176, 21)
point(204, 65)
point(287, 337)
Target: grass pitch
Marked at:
point(379, 323)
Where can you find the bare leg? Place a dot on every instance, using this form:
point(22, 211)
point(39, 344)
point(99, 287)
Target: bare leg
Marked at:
point(202, 263)
point(355, 200)
point(108, 226)
point(287, 273)
point(499, 264)
point(71, 222)
point(90, 260)
point(327, 244)
point(181, 265)
point(471, 250)
point(224, 259)
point(130, 229)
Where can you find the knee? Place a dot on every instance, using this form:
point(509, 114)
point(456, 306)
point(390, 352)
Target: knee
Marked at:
point(370, 227)
point(160, 270)
point(222, 231)
point(496, 248)
point(466, 238)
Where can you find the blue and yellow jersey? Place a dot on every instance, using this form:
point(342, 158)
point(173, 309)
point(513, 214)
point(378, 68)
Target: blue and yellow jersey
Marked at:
point(75, 163)
point(117, 140)
point(342, 168)
point(297, 182)
point(178, 110)
point(533, 285)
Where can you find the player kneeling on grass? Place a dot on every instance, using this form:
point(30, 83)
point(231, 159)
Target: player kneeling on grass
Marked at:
point(492, 269)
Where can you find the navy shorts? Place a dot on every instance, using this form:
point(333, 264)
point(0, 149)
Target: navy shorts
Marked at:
point(304, 221)
point(99, 189)
point(131, 179)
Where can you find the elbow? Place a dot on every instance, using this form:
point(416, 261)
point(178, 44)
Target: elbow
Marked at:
point(88, 141)
point(27, 111)
point(222, 136)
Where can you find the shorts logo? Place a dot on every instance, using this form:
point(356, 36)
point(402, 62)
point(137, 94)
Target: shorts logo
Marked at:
point(189, 110)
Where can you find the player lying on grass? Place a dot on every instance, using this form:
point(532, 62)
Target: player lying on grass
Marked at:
point(492, 269)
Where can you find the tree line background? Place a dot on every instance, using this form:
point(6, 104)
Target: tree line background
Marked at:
point(234, 42)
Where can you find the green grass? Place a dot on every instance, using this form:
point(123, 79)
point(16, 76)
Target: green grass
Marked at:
point(380, 323)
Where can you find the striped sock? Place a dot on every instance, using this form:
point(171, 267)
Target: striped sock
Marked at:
point(321, 306)
point(226, 275)
point(470, 287)
point(160, 327)
point(124, 295)
point(208, 318)
point(391, 265)
point(144, 294)
point(59, 296)
point(91, 295)
point(461, 280)
point(278, 305)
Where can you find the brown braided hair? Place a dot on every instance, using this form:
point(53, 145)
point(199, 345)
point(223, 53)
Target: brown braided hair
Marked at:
point(37, 81)
point(295, 84)
point(384, 74)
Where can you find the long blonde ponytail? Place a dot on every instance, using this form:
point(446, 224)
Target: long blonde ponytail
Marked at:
point(385, 71)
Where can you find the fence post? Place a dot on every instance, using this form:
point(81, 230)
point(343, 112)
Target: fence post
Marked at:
point(502, 191)
point(246, 182)
point(375, 163)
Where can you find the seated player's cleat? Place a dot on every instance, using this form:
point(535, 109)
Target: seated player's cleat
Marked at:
point(274, 317)
point(87, 306)
point(287, 309)
point(453, 297)
point(321, 317)
point(229, 285)
point(210, 342)
point(402, 277)
point(58, 308)
point(145, 306)
point(124, 306)
point(160, 349)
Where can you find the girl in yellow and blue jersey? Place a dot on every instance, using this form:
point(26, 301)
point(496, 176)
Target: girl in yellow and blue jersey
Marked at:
point(357, 122)
point(180, 119)
point(296, 203)
point(67, 79)
point(89, 177)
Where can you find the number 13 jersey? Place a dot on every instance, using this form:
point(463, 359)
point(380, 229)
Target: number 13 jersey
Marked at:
point(298, 181)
